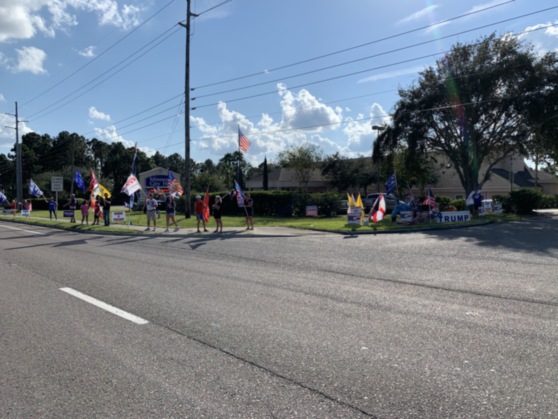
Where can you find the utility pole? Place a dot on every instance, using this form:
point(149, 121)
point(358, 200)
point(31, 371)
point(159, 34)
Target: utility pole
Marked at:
point(187, 189)
point(19, 174)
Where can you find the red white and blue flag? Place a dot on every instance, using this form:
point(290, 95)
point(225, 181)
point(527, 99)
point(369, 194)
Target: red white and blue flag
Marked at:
point(243, 142)
point(175, 188)
point(430, 200)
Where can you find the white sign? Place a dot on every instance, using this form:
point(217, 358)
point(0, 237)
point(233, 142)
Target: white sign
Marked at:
point(119, 216)
point(454, 216)
point(56, 183)
point(25, 213)
point(354, 215)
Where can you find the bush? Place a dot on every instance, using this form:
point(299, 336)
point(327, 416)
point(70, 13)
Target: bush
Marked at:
point(459, 204)
point(443, 202)
point(524, 201)
point(549, 201)
point(505, 200)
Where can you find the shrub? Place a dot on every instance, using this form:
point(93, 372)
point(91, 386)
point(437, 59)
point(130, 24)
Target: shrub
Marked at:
point(459, 204)
point(443, 202)
point(524, 201)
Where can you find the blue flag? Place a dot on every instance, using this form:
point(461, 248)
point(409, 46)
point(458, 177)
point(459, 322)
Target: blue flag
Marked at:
point(34, 189)
point(239, 195)
point(391, 184)
point(3, 197)
point(79, 181)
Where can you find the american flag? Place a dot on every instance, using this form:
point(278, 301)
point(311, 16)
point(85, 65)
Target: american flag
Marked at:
point(243, 142)
point(175, 188)
point(430, 200)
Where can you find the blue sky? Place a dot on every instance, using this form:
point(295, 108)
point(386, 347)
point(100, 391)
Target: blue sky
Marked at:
point(287, 72)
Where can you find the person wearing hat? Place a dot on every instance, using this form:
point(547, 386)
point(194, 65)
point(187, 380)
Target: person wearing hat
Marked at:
point(198, 208)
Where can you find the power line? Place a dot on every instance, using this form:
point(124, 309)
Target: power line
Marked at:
point(355, 47)
point(372, 56)
point(100, 55)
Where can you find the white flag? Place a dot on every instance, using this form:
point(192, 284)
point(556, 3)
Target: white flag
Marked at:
point(132, 185)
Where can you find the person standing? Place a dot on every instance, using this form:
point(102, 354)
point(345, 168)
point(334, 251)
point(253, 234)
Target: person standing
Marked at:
point(96, 213)
point(72, 205)
point(151, 205)
point(170, 212)
point(13, 207)
point(52, 206)
point(249, 208)
point(84, 212)
point(198, 208)
point(217, 214)
point(106, 210)
point(477, 202)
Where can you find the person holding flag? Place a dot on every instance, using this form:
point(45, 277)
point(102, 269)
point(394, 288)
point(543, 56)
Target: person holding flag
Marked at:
point(199, 210)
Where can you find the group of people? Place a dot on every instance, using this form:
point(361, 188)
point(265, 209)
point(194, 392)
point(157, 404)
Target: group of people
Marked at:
point(200, 210)
point(101, 209)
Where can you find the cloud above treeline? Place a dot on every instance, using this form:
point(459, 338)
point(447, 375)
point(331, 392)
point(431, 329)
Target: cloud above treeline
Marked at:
point(304, 118)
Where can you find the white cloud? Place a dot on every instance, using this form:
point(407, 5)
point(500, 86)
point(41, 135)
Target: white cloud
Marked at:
point(480, 7)
point(110, 135)
point(418, 15)
point(30, 59)
point(544, 40)
point(305, 112)
point(95, 114)
point(22, 19)
point(2, 98)
point(393, 74)
point(88, 52)
point(304, 119)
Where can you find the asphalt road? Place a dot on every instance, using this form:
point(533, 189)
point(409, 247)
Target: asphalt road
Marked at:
point(454, 323)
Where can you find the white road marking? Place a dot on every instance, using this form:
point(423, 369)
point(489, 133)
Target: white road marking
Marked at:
point(21, 229)
point(105, 306)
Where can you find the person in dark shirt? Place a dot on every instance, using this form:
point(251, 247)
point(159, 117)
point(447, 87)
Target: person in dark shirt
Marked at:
point(106, 210)
point(217, 214)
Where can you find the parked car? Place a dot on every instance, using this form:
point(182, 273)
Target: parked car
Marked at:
point(343, 206)
point(391, 201)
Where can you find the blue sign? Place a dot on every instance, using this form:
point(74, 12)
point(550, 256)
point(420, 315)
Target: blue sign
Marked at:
point(157, 181)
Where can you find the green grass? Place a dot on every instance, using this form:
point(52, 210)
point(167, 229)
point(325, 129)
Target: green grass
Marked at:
point(333, 224)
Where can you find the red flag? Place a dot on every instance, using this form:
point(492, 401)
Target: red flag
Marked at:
point(243, 142)
point(206, 206)
point(379, 214)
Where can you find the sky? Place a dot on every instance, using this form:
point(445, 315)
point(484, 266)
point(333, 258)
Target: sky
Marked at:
point(287, 72)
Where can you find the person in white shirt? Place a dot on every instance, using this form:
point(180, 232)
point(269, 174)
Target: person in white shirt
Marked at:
point(150, 209)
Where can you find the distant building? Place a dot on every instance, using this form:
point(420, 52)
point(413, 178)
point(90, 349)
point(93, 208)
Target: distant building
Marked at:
point(510, 174)
point(285, 180)
point(155, 178)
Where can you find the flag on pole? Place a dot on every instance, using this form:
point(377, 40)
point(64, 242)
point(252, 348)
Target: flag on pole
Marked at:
point(134, 159)
point(34, 189)
point(79, 181)
point(239, 195)
point(243, 142)
point(430, 200)
point(131, 186)
point(360, 204)
point(93, 183)
point(206, 206)
point(379, 214)
point(175, 188)
point(3, 198)
point(391, 183)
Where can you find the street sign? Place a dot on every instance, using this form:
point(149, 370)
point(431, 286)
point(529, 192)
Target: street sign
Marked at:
point(56, 183)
